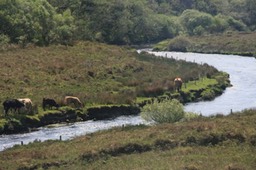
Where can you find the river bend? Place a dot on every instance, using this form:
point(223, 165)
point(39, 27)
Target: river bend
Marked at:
point(242, 71)
point(240, 96)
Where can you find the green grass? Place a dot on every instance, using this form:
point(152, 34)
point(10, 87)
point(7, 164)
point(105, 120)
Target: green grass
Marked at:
point(229, 43)
point(199, 84)
point(220, 142)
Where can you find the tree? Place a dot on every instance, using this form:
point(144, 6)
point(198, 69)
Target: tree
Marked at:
point(250, 7)
point(29, 21)
point(196, 22)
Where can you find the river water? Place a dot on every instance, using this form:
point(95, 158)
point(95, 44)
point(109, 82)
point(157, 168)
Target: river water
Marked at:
point(67, 131)
point(240, 96)
point(242, 71)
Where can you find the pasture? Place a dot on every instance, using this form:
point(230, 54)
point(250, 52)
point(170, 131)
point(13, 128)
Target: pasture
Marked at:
point(99, 75)
point(217, 142)
point(95, 73)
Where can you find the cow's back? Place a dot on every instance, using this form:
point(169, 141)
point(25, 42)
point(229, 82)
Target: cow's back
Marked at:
point(69, 100)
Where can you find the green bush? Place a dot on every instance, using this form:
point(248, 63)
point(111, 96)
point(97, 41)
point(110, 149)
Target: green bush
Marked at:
point(208, 94)
point(179, 43)
point(166, 111)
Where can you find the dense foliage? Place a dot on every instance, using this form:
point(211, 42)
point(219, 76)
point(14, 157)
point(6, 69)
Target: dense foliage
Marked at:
point(119, 22)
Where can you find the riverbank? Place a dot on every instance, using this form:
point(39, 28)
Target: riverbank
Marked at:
point(192, 91)
point(201, 143)
point(236, 43)
point(98, 74)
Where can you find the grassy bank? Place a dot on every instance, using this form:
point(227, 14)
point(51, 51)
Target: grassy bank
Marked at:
point(98, 74)
point(228, 43)
point(219, 142)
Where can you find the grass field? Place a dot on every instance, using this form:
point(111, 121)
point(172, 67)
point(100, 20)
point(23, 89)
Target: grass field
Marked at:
point(219, 142)
point(96, 73)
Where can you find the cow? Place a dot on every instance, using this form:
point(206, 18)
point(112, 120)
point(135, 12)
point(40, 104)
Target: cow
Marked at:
point(50, 103)
point(12, 104)
point(177, 84)
point(71, 100)
point(28, 103)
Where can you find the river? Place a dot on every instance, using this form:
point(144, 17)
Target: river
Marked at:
point(240, 96)
point(242, 71)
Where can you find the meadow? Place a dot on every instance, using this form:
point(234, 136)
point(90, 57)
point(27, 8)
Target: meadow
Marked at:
point(101, 75)
point(215, 142)
point(94, 72)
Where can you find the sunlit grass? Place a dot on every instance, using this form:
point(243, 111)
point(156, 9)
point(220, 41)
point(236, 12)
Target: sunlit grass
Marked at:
point(199, 84)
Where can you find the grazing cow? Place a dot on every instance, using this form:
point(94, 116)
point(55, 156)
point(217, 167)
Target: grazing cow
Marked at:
point(28, 103)
point(50, 103)
point(12, 104)
point(71, 100)
point(177, 84)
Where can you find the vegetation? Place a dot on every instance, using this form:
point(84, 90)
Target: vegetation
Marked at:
point(201, 143)
point(119, 22)
point(98, 74)
point(229, 43)
point(110, 77)
point(165, 111)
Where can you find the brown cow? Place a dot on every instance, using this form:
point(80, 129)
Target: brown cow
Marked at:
point(49, 103)
point(71, 100)
point(177, 84)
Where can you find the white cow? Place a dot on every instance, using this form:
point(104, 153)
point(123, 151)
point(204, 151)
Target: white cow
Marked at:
point(28, 103)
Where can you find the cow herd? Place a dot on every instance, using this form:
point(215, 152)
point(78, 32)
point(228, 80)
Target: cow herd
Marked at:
point(47, 103)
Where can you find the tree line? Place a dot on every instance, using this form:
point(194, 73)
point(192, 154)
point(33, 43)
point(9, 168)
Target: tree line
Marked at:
point(43, 22)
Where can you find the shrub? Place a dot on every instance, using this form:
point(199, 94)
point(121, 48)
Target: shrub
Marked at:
point(208, 94)
point(179, 44)
point(166, 111)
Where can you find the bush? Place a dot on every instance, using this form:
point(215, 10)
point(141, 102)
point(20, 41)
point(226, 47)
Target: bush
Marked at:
point(166, 111)
point(179, 43)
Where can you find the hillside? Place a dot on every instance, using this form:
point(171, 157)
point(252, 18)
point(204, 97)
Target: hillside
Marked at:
point(44, 22)
point(96, 73)
point(105, 78)
point(220, 142)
